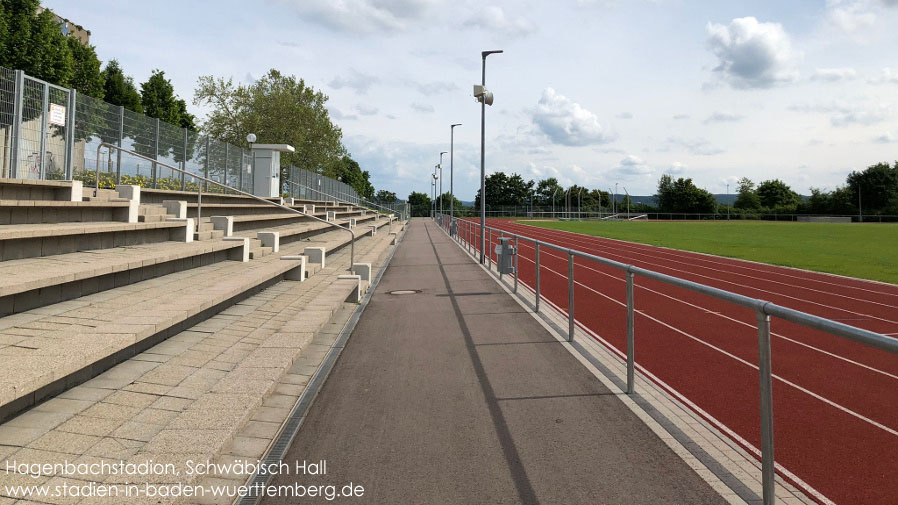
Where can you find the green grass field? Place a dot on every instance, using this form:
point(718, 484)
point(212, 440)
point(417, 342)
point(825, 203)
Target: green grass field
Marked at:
point(868, 251)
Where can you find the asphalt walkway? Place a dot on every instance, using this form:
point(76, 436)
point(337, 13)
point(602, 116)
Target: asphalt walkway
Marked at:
point(455, 395)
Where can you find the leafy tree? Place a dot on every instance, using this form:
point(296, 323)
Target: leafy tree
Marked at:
point(158, 98)
point(119, 89)
point(34, 43)
point(777, 194)
point(279, 109)
point(545, 189)
point(385, 196)
point(347, 170)
point(420, 204)
point(446, 198)
point(504, 190)
point(748, 195)
point(877, 185)
point(87, 78)
point(682, 195)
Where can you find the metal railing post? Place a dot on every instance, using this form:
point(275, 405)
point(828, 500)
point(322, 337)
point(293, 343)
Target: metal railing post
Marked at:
point(488, 249)
point(766, 383)
point(17, 124)
point(155, 155)
point(184, 164)
point(70, 134)
point(208, 157)
point(537, 277)
point(631, 344)
point(516, 264)
point(121, 140)
point(45, 127)
point(570, 296)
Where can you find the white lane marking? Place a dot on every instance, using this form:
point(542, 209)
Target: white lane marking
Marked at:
point(609, 250)
point(740, 360)
point(709, 311)
point(735, 262)
point(763, 291)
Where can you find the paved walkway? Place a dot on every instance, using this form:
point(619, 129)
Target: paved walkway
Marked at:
point(456, 395)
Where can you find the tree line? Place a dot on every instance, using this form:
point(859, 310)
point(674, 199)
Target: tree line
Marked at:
point(278, 108)
point(871, 192)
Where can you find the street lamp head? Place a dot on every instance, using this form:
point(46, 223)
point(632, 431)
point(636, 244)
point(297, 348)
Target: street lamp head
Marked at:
point(454, 125)
point(484, 54)
point(251, 138)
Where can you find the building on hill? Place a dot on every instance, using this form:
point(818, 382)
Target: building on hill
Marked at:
point(69, 28)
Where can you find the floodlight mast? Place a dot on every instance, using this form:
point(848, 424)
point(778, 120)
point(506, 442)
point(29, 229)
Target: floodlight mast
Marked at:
point(441, 185)
point(452, 171)
point(483, 102)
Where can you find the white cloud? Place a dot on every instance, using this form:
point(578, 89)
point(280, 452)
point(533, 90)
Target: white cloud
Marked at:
point(833, 74)
point(366, 110)
point(697, 146)
point(339, 116)
point(676, 168)
point(850, 16)
point(751, 54)
point(723, 117)
point(424, 108)
point(844, 114)
point(493, 19)
point(885, 138)
point(680, 117)
point(362, 16)
point(625, 115)
point(886, 75)
point(632, 166)
point(434, 88)
point(356, 80)
point(566, 122)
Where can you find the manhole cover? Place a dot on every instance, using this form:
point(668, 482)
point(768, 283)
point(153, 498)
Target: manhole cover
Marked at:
point(404, 292)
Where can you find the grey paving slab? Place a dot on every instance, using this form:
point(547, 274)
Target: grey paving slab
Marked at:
point(434, 402)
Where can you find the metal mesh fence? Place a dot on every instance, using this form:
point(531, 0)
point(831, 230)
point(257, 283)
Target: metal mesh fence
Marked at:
point(38, 144)
point(7, 114)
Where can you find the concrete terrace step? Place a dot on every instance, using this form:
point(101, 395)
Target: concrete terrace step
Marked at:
point(22, 189)
point(35, 282)
point(61, 345)
point(213, 391)
point(47, 211)
point(290, 232)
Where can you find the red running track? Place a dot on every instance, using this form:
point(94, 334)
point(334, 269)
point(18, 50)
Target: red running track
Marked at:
point(835, 401)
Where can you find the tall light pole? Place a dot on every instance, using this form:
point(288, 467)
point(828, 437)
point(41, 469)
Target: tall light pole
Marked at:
point(728, 201)
point(579, 204)
point(553, 201)
point(441, 183)
point(452, 171)
point(485, 98)
point(613, 212)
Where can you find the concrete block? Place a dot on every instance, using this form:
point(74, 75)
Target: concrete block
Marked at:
point(331, 216)
point(308, 208)
point(184, 234)
point(351, 223)
point(241, 253)
point(77, 192)
point(395, 237)
point(132, 194)
point(223, 223)
point(356, 295)
point(315, 254)
point(176, 207)
point(297, 273)
point(363, 270)
point(363, 211)
point(289, 202)
point(373, 229)
point(270, 239)
point(128, 191)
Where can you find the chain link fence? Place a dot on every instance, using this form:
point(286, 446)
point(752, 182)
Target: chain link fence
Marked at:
point(52, 133)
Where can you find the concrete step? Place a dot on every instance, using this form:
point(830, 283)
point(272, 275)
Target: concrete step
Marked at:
point(202, 235)
point(203, 226)
point(70, 342)
point(216, 234)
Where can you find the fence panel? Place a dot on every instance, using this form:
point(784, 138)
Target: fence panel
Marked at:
point(7, 116)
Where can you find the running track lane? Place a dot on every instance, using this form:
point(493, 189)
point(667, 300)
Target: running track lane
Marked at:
point(836, 414)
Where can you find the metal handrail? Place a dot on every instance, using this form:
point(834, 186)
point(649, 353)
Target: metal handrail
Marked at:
point(360, 202)
point(210, 181)
point(763, 311)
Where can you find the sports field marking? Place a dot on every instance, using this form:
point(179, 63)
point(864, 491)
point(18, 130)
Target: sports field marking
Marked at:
point(761, 290)
point(671, 255)
point(721, 315)
point(744, 362)
point(744, 263)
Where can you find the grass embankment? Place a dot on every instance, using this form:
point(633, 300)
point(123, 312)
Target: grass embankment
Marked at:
point(867, 251)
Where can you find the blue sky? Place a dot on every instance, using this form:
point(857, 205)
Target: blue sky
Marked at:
point(594, 92)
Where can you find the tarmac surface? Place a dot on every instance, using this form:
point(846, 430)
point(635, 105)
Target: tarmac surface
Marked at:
point(455, 395)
